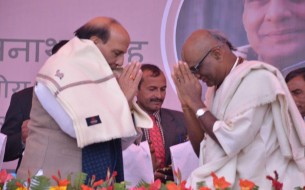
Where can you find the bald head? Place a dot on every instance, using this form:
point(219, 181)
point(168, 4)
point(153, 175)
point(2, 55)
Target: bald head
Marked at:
point(110, 37)
point(101, 21)
point(202, 41)
point(196, 44)
point(99, 27)
point(209, 56)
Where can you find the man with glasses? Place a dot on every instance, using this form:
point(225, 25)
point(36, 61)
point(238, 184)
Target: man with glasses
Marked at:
point(249, 126)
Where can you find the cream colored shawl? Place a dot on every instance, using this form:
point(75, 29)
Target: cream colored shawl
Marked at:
point(289, 125)
point(288, 121)
point(82, 82)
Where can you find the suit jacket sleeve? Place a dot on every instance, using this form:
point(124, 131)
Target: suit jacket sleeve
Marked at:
point(18, 111)
point(174, 130)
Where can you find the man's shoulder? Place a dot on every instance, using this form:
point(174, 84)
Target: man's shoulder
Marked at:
point(170, 111)
point(173, 119)
point(261, 82)
point(24, 92)
point(254, 66)
point(173, 114)
point(22, 101)
point(258, 73)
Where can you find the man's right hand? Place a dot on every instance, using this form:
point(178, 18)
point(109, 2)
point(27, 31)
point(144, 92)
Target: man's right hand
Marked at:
point(188, 86)
point(24, 130)
point(164, 174)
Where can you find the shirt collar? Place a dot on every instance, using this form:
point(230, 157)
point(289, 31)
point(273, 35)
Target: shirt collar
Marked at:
point(157, 115)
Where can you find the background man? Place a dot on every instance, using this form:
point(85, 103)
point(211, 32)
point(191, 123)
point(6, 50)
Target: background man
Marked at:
point(276, 32)
point(169, 123)
point(15, 124)
point(296, 83)
point(244, 127)
point(54, 143)
point(17, 118)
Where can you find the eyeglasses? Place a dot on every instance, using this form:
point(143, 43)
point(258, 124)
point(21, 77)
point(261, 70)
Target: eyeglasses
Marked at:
point(195, 69)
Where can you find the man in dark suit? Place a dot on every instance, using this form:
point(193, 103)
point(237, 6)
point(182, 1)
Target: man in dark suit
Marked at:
point(150, 96)
point(17, 118)
point(15, 124)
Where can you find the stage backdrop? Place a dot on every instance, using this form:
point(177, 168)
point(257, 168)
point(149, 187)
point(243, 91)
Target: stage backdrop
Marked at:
point(29, 29)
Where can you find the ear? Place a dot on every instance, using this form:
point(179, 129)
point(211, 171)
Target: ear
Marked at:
point(95, 39)
point(217, 54)
point(137, 91)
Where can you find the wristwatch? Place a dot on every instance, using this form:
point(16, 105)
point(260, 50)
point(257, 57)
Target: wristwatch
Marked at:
point(200, 112)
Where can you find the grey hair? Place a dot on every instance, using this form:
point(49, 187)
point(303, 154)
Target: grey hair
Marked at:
point(220, 37)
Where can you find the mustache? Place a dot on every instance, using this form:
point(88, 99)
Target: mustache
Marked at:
point(156, 100)
point(117, 71)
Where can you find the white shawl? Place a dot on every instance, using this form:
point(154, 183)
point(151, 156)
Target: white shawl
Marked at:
point(289, 125)
point(82, 82)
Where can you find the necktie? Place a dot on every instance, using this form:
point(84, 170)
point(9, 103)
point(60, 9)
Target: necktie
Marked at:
point(155, 136)
point(98, 157)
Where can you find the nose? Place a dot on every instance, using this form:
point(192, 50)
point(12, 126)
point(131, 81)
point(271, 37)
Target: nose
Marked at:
point(119, 61)
point(278, 10)
point(160, 94)
point(298, 101)
point(197, 75)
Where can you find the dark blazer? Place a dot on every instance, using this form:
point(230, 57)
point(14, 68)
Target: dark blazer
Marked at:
point(18, 111)
point(174, 130)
